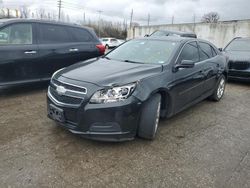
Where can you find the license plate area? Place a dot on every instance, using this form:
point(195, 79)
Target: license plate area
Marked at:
point(56, 113)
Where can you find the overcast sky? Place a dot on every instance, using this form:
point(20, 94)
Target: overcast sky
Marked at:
point(161, 11)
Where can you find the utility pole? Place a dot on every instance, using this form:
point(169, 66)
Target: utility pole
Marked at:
point(99, 11)
point(131, 18)
point(148, 23)
point(8, 13)
point(148, 19)
point(59, 9)
point(194, 22)
point(172, 20)
point(84, 18)
point(16, 13)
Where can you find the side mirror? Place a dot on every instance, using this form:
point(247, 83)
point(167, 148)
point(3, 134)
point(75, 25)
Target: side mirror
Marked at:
point(185, 64)
point(147, 35)
point(220, 49)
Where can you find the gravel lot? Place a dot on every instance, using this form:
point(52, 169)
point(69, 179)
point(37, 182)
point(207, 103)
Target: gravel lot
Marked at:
point(207, 145)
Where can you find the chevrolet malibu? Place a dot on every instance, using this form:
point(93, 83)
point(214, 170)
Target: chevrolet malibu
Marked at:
point(124, 93)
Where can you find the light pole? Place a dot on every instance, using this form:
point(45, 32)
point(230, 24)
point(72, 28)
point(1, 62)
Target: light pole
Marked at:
point(99, 11)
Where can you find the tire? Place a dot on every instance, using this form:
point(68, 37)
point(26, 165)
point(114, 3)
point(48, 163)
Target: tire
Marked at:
point(107, 47)
point(219, 90)
point(149, 119)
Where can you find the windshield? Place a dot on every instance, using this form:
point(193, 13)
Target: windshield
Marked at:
point(144, 51)
point(239, 45)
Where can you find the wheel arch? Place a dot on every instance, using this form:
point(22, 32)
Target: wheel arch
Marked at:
point(166, 102)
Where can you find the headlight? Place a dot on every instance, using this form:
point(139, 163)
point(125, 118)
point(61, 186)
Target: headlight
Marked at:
point(114, 94)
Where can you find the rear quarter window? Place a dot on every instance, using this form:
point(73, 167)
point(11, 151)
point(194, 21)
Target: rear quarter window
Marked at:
point(49, 34)
point(80, 35)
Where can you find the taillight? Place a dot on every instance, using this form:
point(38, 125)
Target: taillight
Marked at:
point(101, 48)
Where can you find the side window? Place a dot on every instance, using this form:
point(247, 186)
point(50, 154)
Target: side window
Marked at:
point(50, 34)
point(213, 51)
point(80, 35)
point(113, 40)
point(16, 34)
point(205, 51)
point(189, 52)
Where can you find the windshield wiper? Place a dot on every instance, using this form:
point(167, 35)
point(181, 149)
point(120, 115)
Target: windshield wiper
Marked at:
point(129, 61)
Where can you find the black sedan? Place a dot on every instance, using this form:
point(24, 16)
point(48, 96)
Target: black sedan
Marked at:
point(124, 93)
point(238, 51)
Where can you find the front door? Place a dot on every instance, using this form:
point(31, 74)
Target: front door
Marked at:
point(189, 82)
point(18, 54)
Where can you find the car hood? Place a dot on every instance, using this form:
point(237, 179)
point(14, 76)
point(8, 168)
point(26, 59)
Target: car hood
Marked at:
point(238, 55)
point(103, 72)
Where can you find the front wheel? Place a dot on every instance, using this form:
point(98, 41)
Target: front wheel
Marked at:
point(150, 116)
point(220, 89)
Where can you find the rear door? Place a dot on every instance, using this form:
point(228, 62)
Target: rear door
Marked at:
point(189, 82)
point(209, 60)
point(56, 49)
point(84, 44)
point(18, 54)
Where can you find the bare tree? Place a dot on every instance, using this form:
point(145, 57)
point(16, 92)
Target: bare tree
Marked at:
point(2, 13)
point(41, 13)
point(25, 12)
point(211, 17)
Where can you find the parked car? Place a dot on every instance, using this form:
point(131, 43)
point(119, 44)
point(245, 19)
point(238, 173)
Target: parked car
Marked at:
point(238, 52)
point(124, 93)
point(110, 42)
point(32, 50)
point(160, 33)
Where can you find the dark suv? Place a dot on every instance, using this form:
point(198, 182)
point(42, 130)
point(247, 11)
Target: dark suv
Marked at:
point(32, 50)
point(124, 93)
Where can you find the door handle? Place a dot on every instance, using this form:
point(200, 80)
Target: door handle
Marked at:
point(73, 50)
point(31, 52)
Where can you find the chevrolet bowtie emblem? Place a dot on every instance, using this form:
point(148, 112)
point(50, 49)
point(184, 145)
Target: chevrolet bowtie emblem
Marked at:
point(61, 90)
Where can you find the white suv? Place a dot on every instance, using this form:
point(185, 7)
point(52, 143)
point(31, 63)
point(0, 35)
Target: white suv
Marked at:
point(110, 42)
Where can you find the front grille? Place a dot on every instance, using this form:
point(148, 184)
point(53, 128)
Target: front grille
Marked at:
point(69, 86)
point(65, 99)
point(71, 94)
point(239, 65)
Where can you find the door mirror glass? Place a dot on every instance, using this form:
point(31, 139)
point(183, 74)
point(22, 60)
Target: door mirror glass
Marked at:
point(220, 49)
point(185, 64)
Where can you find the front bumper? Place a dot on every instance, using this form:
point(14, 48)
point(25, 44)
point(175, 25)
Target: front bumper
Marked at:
point(107, 122)
point(241, 75)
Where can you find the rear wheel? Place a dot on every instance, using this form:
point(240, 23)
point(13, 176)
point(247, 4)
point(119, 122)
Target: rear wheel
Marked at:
point(107, 46)
point(150, 116)
point(220, 89)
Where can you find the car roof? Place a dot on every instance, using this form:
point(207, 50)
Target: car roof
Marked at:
point(169, 38)
point(181, 40)
point(20, 20)
point(242, 38)
point(176, 32)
